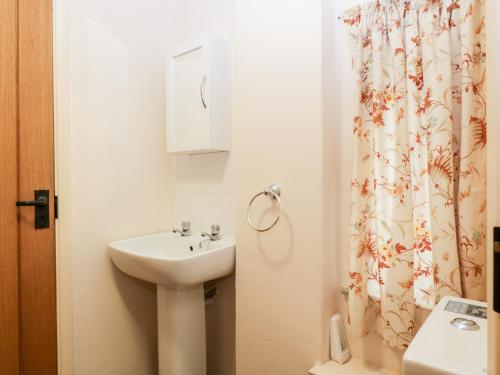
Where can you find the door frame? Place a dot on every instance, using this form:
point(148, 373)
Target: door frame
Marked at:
point(62, 132)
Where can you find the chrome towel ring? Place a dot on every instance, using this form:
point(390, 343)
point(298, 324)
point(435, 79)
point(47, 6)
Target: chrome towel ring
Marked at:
point(274, 192)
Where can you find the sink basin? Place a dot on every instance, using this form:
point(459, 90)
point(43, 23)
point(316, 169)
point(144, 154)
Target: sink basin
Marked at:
point(178, 266)
point(170, 259)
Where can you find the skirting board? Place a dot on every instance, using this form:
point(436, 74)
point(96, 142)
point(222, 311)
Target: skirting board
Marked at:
point(353, 367)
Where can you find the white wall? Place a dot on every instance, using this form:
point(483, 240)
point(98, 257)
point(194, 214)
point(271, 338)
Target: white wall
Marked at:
point(282, 299)
point(114, 179)
point(204, 184)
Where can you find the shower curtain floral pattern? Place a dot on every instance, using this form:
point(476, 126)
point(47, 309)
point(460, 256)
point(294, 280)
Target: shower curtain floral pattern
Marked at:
point(419, 177)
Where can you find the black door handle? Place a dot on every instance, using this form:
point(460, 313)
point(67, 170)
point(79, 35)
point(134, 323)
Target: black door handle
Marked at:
point(41, 204)
point(41, 201)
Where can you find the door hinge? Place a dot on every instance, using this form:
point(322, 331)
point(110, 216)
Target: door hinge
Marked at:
point(56, 207)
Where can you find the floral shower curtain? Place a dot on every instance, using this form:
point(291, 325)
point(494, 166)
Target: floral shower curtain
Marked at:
point(419, 177)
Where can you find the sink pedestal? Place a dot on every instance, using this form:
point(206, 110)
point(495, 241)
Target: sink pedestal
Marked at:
point(179, 262)
point(181, 330)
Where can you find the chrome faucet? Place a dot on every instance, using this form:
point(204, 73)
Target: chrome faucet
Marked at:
point(186, 229)
point(213, 236)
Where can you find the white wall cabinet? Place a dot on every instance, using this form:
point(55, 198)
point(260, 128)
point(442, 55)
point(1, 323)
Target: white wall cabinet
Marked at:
point(199, 98)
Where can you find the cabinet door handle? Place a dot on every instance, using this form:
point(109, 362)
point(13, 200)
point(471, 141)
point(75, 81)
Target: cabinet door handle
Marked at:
point(202, 91)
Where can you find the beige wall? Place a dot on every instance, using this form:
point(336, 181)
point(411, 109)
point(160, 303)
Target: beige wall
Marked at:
point(493, 42)
point(114, 179)
point(110, 72)
point(281, 275)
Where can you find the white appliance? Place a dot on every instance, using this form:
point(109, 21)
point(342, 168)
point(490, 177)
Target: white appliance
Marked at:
point(452, 341)
point(339, 346)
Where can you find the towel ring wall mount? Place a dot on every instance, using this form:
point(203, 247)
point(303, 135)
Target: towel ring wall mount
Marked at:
point(274, 193)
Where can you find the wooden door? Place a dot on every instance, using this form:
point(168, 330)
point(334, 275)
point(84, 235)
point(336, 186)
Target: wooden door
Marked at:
point(27, 255)
point(9, 313)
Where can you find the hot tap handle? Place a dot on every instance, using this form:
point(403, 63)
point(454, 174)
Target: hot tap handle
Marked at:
point(215, 229)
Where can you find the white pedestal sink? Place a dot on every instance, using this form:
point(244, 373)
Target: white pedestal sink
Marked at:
point(179, 267)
